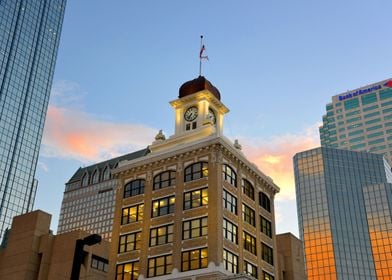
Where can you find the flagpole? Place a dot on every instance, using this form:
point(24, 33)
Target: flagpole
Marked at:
point(201, 45)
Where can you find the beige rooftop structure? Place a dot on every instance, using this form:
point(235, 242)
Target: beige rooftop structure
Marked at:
point(194, 207)
point(33, 252)
point(291, 258)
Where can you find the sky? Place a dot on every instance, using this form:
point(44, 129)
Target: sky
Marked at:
point(276, 64)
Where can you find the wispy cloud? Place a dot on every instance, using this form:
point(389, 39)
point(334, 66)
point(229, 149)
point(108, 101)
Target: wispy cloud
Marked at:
point(274, 156)
point(73, 133)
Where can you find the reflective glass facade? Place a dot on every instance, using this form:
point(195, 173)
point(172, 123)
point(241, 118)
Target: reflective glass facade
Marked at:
point(344, 213)
point(29, 39)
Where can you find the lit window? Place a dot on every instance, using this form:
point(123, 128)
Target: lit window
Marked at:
point(249, 242)
point(265, 201)
point(248, 189)
point(194, 259)
point(163, 206)
point(164, 179)
point(132, 214)
point(129, 242)
point(127, 271)
point(267, 254)
point(267, 276)
point(248, 215)
point(195, 198)
point(161, 235)
point(194, 228)
point(196, 171)
point(230, 261)
point(161, 265)
point(230, 231)
point(229, 175)
point(133, 188)
point(229, 202)
point(250, 269)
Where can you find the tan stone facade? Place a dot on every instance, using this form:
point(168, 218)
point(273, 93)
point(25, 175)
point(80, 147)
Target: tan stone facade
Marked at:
point(33, 252)
point(291, 259)
point(195, 207)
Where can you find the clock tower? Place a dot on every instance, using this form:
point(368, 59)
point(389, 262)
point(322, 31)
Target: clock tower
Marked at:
point(199, 114)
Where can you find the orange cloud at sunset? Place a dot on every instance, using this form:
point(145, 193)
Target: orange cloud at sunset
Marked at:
point(274, 156)
point(74, 134)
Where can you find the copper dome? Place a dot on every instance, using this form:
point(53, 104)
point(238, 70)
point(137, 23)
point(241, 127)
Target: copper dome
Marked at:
point(198, 84)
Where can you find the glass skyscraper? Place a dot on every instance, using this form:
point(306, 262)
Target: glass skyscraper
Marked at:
point(360, 120)
point(29, 39)
point(344, 201)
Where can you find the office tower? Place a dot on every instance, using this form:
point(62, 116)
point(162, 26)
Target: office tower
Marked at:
point(344, 201)
point(360, 120)
point(89, 198)
point(29, 39)
point(194, 207)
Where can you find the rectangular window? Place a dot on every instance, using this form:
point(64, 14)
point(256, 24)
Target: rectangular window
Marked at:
point(265, 201)
point(370, 108)
point(354, 125)
point(369, 98)
point(194, 259)
point(353, 119)
point(358, 146)
point(267, 276)
point(230, 261)
point(374, 127)
point(229, 202)
point(385, 94)
point(387, 110)
point(248, 215)
point(132, 214)
point(386, 103)
point(249, 243)
point(230, 231)
point(99, 263)
point(194, 228)
point(358, 139)
point(351, 104)
point(195, 198)
point(163, 206)
point(127, 271)
point(161, 265)
point(376, 134)
point(352, 133)
point(129, 242)
point(267, 254)
point(377, 141)
point(161, 235)
point(372, 114)
point(353, 113)
point(250, 269)
point(265, 226)
point(248, 189)
point(373, 121)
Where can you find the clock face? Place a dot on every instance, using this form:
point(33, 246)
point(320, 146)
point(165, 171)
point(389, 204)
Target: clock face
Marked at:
point(191, 114)
point(211, 116)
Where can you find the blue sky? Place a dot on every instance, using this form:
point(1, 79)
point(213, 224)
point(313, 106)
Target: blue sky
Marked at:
point(276, 64)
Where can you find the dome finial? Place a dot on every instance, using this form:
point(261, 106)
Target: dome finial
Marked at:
point(202, 49)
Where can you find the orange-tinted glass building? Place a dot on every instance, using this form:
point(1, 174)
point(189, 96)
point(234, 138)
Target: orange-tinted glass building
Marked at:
point(344, 201)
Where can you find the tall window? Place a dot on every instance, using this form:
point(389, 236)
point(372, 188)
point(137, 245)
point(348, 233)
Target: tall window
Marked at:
point(106, 174)
point(194, 228)
point(230, 261)
point(229, 175)
point(267, 276)
point(194, 259)
point(196, 171)
point(229, 202)
point(230, 231)
point(161, 265)
point(265, 201)
point(163, 206)
point(248, 215)
point(265, 226)
point(85, 180)
point(129, 242)
point(134, 187)
point(195, 198)
point(249, 242)
point(127, 271)
point(95, 177)
point(165, 179)
point(248, 189)
point(267, 254)
point(132, 214)
point(161, 235)
point(250, 269)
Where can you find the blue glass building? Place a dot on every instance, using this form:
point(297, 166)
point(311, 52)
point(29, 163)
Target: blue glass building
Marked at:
point(29, 39)
point(344, 201)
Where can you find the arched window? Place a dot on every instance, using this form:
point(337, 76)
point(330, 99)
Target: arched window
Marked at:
point(164, 179)
point(106, 174)
point(265, 201)
point(229, 175)
point(196, 171)
point(85, 179)
point(248, 189)
point(134, 187)
point(95, 177)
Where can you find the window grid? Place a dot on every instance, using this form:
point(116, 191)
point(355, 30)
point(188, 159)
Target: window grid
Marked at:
point(230, 261)
point(164, 179)
point(265, 201)
point(194, 228)
point(196, 198)
point(249, 242)
point(161, 265)
point(163, 206)
point(230, 231)
point(127, 271)
point(229, 202)
point(129, 242)
point(133, 188)
point(267, 254)
point(250, 269)
point(161, 235)
point(196, 171)
point(194, 259)
point(229, 175)
point(266, 226)
point(248, 189)
point(248, 215)
point(132, 214)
